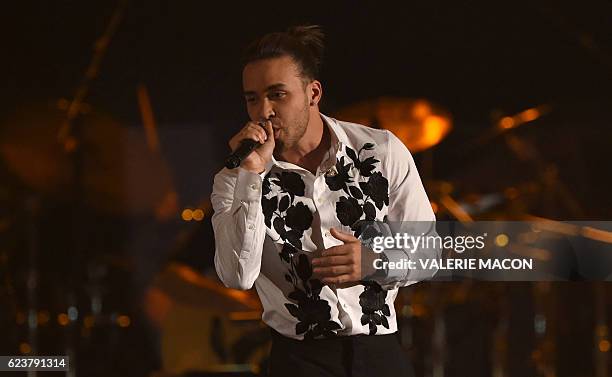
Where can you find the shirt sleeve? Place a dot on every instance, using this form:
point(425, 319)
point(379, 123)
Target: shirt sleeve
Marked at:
point(409, 212)
point(238, 224)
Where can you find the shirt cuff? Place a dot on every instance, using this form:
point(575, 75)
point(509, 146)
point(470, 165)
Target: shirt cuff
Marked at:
point(396, 257)
point(248, 186)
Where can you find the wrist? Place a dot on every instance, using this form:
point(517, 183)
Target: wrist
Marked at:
point(373, 259)
point(254, 169)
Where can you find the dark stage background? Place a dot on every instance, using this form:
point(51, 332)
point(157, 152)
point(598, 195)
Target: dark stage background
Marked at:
point(125, 286)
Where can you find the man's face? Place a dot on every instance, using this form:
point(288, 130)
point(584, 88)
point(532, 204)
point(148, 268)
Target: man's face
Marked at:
point(273, 89)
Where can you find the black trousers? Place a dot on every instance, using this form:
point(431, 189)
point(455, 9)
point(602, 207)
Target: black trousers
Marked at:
point(344, 356)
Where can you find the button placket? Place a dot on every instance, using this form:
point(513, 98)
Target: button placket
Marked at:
point(317, 195)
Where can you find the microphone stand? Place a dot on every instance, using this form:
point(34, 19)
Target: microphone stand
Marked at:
point(69, 135)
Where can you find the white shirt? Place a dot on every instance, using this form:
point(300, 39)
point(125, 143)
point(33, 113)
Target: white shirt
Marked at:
point(268, 227)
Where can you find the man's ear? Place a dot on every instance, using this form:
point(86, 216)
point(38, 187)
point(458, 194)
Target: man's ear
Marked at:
point(315, 93)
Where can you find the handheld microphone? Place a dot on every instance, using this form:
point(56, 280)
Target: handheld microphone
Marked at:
point(244, 149)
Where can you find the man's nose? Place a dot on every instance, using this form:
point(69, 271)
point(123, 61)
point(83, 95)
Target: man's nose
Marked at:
point(266, 110)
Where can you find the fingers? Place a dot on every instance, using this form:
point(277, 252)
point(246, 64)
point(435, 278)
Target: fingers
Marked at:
point(338, 279)
point(344, 237)
point(269, 130)
point(256, 132)
point(332, 271)
point(337, 250)
point(332, 260)
point(251, 131)
point(336, 265)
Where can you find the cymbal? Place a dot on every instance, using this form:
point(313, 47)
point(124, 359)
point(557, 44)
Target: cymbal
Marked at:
point(185, 285)
point(120, 174)
point(416, 122)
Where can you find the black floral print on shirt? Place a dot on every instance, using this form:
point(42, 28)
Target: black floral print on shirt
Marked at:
point(290, 219)
point(373, 307)
point(364, 196)
point(313, 313)
point(366, 191)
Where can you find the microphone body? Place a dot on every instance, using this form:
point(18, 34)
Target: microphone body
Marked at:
point(244, 149)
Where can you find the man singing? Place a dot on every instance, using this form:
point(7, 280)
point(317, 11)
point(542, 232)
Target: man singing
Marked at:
point(288, 218)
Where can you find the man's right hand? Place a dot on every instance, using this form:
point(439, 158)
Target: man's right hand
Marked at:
point(256, 161)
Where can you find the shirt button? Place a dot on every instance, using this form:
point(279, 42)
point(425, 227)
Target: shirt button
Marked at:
point(344, 306)
point(254, 186)
point(327, 234)
point(251, 226)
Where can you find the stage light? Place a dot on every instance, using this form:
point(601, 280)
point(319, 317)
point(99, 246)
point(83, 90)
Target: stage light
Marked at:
point(123, 321)
point(187, 214)
point(421, 109)
point(63, 319)
point(529, 115)
point(73, 313)
point(198, 215)
point(43, 317)
point(506, 123)
point(501, 240)
point(25, 348)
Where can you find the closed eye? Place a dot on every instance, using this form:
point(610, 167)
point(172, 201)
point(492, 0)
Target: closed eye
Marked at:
point(277, 95)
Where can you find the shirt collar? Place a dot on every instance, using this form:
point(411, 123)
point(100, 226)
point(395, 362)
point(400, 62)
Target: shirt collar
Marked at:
point(338, 134)
point(338, 139)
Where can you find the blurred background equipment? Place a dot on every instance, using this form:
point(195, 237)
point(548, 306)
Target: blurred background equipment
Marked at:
point(120, 174)
point(106, 244)
point(205, 326)
point(418, 123)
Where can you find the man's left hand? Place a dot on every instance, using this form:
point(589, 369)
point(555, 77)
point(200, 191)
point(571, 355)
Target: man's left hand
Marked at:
point(340, 264)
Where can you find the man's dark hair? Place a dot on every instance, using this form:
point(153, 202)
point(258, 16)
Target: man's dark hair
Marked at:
point(302, 43)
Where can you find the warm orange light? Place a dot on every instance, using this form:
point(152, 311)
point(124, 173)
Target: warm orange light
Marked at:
point(245, 316)
point(434, 207)
point(62, 319)
point(597, 234)
point(529, 115)
point(421, 109)
point(506, 123)
point(190, 275)
point(436, 128)
point(25, 348)
point(501, 240)
point(198, 215)
point(187, 214)
point(70, 144)
point(123, 321)
point(43, 317)
point(418, 310)
point(604, 346)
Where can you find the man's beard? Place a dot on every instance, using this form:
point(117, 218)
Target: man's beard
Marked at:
point(298, 129)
